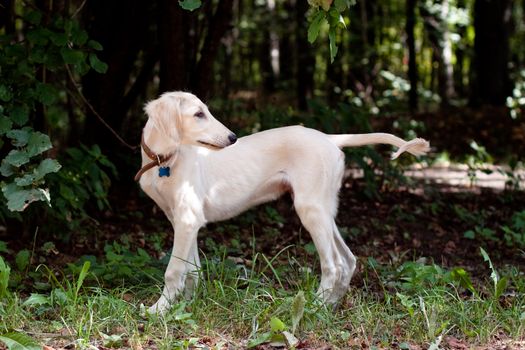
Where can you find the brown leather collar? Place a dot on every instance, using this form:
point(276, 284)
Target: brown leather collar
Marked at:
point(156, 159)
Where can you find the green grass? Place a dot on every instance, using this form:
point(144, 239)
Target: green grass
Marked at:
point(239, 305)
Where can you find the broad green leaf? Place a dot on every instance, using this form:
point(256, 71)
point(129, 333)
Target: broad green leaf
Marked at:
point(95, 45)
point(190, 5)
point(59, 39)
point(45, 167)
point(18, 198)
point(260, 339)
point(17, 158)
point(39, 36)
point(341, 5)
point(20, 115)
point(96, 64)
point(22, 259)
point(5, 93)
point(46, 93)
point(460, 275)
point(19, 341)
point(38, 143)
point(315, 26)
point(36, 299)
point(470, 234)
point(276, 325)
point(71, 56)
point(19, 137)
point(5, 124)
point(78, 35)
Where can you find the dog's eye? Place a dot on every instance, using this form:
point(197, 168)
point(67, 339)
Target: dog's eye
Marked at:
point(200, 115)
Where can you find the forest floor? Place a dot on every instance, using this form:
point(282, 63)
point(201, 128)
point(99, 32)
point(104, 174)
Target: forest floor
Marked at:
point(427, 223)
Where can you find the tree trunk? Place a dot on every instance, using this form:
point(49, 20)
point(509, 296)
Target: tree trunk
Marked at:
point(411, 44)
point(491, 83)
point(439, 36)
point(220, 23)
point(122, 31)
point(305, 58)
point(176, 46)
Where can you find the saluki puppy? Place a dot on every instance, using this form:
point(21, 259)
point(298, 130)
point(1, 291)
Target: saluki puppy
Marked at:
point(197, 171)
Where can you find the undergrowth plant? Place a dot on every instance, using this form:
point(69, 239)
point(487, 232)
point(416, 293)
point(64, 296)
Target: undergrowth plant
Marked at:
point(259, 301)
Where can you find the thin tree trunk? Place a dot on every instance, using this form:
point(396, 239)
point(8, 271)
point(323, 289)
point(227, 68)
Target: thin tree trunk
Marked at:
point(491, 83)
point(174, 23)
point(122, 31)
point(411, 44)
point(305, 57)
point(220, 23)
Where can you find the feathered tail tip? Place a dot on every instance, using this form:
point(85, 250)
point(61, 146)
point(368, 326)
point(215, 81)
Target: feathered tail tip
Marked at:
point(417, 147)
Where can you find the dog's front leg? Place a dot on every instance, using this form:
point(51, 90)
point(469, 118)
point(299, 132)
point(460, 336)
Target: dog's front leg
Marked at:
point(185, 240)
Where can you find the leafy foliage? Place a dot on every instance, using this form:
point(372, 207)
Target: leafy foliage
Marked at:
point(33, 71)
point(328, 12)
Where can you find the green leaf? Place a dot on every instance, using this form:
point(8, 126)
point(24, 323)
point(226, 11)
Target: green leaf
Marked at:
point(17, 158)
point(22, 259)
point(46, 93)
point(78, 35)
point(45, 167)
point(190, 5)
point(95, 45)
point(470, 234)
point(20, 115)
point(59, 39)
point(5, 93)
point(18, 198)
point(71, 56)
point(36, 299)
point(260, 339)
point(5, 272)
point(19, 137)
point(5, 124)
point(461, 276)
point(38, 143)
point(297, 311)
point(501, 286)
point(82, 276)
point(38, 36)
point(276, 325)
point(315, 26)
point(96, 64)
point(19, 341)
point(341, 5)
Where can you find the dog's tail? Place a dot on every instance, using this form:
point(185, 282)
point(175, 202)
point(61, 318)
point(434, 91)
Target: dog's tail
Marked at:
point(416, 146)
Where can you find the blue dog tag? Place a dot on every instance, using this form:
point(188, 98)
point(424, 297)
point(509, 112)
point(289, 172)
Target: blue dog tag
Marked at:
point(164, 171)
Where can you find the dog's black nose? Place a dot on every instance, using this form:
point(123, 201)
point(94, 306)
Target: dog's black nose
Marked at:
point(232, 138)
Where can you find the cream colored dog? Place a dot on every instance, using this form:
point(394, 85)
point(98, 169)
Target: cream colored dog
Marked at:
point(215, 176)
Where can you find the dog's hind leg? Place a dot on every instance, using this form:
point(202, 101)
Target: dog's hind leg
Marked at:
point(337, 263)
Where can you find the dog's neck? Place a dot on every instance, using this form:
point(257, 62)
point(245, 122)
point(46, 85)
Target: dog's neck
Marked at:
point(152, 158)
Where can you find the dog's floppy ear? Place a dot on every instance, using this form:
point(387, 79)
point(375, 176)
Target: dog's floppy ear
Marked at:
point(165, 115)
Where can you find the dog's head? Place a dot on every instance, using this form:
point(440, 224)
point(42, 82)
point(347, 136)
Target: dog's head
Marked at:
point(186, 120)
